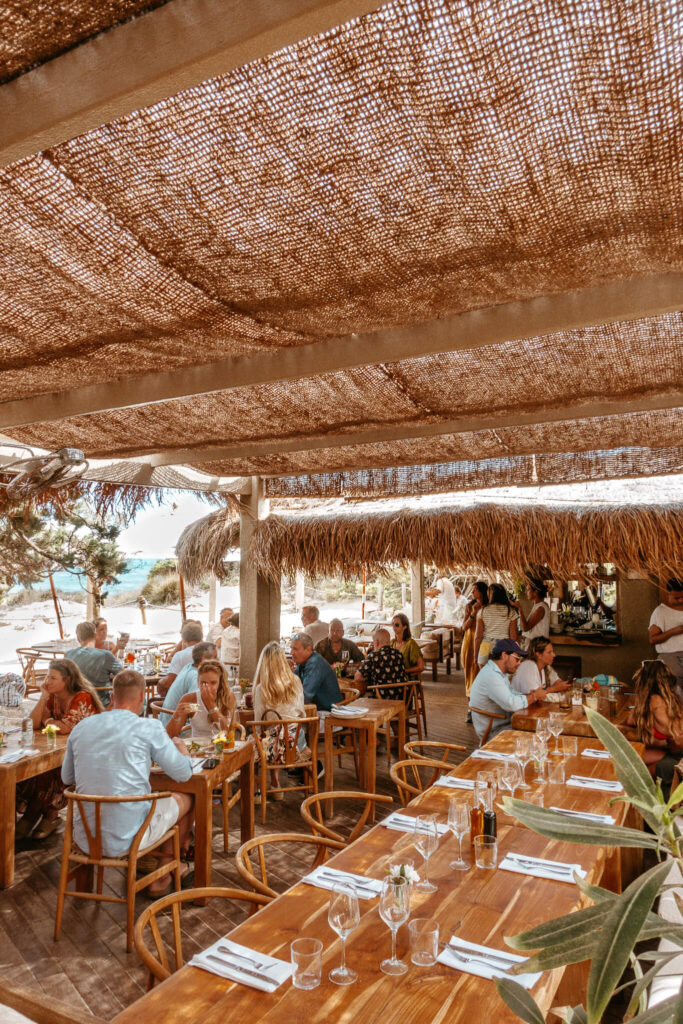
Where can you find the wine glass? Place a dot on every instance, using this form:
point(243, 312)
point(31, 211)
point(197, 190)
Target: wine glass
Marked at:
point(543, 728)
point(394, 909)
point(458, 823)
point(539, 750)
point(524, 754)
point(556, 724)
point(510, 776)
point(343, 916)
point(344, 656)
point(427, 840)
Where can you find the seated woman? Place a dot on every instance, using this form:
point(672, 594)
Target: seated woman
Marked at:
point(66, 698)
point(405, 643)
point(658, 718)
point(497, 621)
point(212, 706)
point(278, 693)
point(536, 670)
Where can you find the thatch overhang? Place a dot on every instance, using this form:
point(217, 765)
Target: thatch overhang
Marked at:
point(473, 538)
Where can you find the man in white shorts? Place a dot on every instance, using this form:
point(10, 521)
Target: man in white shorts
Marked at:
point(666, 629)
point(111, 755)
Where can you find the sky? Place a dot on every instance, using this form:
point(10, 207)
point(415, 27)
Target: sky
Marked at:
point(156, 530)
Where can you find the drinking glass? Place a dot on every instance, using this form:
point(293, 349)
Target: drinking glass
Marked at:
point(344, 656)
point(556, 723)
point(577, 693)
point(424, 941)
point(510, 776)
point(343, 916)
point(426, 841)
point(307, 961)
point(487, 779)
point(458, 823)
point(569, 746)
point(524, 754)
point(543, 729)
point(556, 772)
point(539, 749)
point(394, 909)
point(485, 851)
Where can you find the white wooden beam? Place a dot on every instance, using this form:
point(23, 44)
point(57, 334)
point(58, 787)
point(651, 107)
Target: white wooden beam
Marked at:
point(405, 431)
point(511, 321)
point(145, 60)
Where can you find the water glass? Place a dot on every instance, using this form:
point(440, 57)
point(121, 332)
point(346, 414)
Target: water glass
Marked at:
point(543, 729)
point(486, 851)
point(394, 909)
point(426, 841)
point(424, 941)
point(343, 916)
point(524, 754)
point(27, 733)
point(307, 961)
point(556, 723)
point(569, 746)
point(535, 794)
point(556, 773)
point(459, 823)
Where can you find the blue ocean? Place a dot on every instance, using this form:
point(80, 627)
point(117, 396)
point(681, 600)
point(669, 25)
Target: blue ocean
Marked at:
point(135, 576)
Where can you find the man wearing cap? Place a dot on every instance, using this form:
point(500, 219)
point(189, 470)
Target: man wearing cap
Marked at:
point(491, 690)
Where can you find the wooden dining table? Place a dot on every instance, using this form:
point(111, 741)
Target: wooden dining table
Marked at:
point(575, 722)
point(478, 905)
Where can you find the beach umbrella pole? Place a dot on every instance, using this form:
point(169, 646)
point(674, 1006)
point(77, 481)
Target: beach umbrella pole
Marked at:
point(181, 584)
point(56, 604)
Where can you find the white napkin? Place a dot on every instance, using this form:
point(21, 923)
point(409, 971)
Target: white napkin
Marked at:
point(512, 863)
point(606, 785)
point(404, 823)
point(451, 782)
point(603, 755)
point(600, 819)
point(483, 970)
point(349, 710)
point(279, 972)
point(325, 877)
point(16, 755)
point(491, 755)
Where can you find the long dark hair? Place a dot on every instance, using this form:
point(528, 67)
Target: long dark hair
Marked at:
point(403, 619)
point(74, 681)
point(498, 595)
point(482, 588)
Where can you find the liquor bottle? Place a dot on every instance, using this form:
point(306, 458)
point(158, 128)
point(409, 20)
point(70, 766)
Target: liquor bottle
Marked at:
point(476, 822)
point(490, 826)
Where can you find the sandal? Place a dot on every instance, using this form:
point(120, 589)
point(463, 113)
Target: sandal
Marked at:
point(47, 827)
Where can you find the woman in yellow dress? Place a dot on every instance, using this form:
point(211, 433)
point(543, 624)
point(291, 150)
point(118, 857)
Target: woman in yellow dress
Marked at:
point(479, 600)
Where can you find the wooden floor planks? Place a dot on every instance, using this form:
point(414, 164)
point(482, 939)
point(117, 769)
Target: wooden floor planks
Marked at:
point(89, 967)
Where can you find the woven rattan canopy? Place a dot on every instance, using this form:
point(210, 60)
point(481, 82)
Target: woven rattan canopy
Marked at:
point(436, 247)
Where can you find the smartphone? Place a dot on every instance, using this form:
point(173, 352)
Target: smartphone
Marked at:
point(211, 762)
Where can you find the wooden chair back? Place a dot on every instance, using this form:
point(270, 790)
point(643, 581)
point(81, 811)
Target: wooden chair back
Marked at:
point(33, 673)
point(40, 1008)
point(286, 732)
point(257, 878)
point(431, 750)
point(491, 715)
point(159, 965)
point(411, 777)
point(311, 812)
point(156, 707)
point(349, 695)
point(412, 694)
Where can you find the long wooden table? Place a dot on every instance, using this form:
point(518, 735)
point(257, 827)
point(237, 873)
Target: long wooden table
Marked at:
point(202, 785)
point(49, 757)
point(481, 906)
point(575, 721)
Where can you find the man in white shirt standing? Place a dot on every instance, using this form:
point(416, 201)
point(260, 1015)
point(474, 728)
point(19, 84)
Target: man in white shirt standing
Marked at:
point(310, 618)
point(666, 628)
point(216, 628)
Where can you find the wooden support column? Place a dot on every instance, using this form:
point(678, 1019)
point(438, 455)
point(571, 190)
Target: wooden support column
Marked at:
point(299, 590)
point(91, 606)
point(417, 595)
point(213, 598)
point(259, 597)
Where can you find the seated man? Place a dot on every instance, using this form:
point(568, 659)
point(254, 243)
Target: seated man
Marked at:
point(186, 680)
point(384, 666)
point(492, 691)
point(318, 679)
point(216, 628)
point(310, 620)
point(190, 634)
point(98, 666)
point(332, 648)
point(111, 755)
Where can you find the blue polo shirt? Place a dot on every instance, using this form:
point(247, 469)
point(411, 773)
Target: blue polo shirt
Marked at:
point(491, 691)
point(319, 681)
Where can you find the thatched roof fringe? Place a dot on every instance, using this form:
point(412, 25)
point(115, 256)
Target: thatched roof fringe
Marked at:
point(202, 545)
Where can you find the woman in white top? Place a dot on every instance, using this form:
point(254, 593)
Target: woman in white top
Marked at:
point(212, 708)
point(230, 641)
point(537, 623)
point(497, 621)
point(536, 670)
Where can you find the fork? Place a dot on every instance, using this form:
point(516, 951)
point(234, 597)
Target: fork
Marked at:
point(252, 961)
point(540, 866)
point(464, 958)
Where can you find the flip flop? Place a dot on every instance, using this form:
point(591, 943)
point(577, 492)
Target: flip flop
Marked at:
point(47, 827)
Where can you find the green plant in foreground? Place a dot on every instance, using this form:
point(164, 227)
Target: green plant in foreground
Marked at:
point(608, 932)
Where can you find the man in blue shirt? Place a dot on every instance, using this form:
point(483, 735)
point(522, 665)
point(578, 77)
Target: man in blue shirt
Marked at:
point(491, 690)
point(111, 755)
point(186, 680)
point(318, 678)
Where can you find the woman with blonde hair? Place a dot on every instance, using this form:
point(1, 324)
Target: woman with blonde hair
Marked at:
point(212, 706)
point(658, 718)
point(276, 688)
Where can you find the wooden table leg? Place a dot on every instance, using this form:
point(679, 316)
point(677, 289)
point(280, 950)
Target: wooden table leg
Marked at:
point(401, 732)
point(246, 801)
point(363, 757)
point(203, 828)
point(328, 805)
point(8, 789)
point(372, 763)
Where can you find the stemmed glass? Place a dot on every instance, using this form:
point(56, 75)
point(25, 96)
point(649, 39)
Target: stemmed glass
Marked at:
point(524, 754)
point(394, 909)
point(426, 841)
point(556, 724)
point(458, 823)
point(539, 749)
point(343, 916)
point(510, 776)
point(543, 729)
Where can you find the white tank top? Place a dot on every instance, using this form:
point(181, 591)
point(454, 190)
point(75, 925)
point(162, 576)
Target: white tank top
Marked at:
point(201, 724)
point(542, 627)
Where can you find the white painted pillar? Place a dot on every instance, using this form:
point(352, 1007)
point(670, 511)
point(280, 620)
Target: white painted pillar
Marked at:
point(299, 590)
point(259, 597)
point(417, 595)
point(213, 598)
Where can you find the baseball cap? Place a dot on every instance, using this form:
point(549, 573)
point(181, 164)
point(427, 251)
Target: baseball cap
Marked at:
point(506, 647)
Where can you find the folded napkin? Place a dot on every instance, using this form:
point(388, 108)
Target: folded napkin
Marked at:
point(603, 755)
point(272, 974)
point(349, 710)
point(491, 755)
point(484, 968)
point(451, 782)
point(325, 877)
point(404, 823)
point(583, 782)
point(540, 867)
point(16, 755)
point(601, 819)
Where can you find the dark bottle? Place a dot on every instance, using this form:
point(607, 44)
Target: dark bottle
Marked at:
point(490, 827)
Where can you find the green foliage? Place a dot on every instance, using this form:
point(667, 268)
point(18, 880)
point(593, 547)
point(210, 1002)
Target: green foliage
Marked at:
point(608, 932)
point(162, 586)
point(162, 567)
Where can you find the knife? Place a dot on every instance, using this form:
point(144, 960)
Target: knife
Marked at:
point(601, 819)
point(242, 970)
point(346, 879)
point(480, 955)
point(543, 865)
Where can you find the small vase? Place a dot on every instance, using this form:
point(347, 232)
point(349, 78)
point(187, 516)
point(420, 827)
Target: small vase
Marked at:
point(592, 702)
